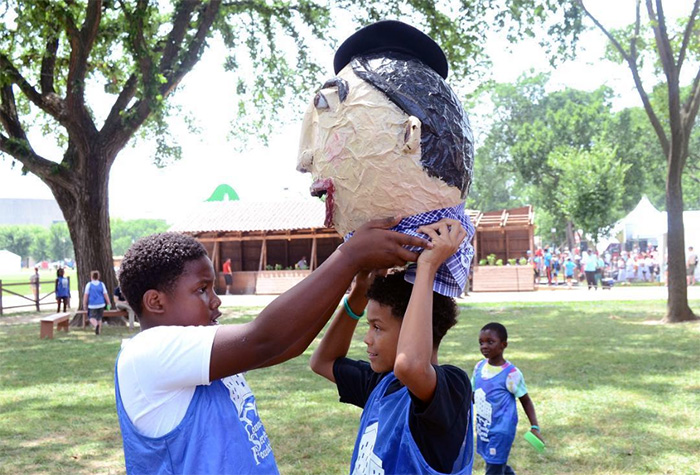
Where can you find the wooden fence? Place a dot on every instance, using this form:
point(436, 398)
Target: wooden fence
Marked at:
point(33, 301)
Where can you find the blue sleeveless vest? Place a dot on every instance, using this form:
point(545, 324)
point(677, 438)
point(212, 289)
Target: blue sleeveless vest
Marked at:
point(221, 433)
point(62, 287)
point(95, 296)
point(496, 415)
point(384, 442)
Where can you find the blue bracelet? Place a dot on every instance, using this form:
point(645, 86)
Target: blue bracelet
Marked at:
point(349, 311)
point(535, 427)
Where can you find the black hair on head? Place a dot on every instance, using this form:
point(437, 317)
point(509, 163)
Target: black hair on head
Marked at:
point(497, 328)
point(447, 142)
point(155, 262)
point(395, 292)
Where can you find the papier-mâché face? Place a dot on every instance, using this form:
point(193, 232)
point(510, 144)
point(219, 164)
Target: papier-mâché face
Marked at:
point(364, 154)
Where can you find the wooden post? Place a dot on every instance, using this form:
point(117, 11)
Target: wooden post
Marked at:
point(263, 254)
point(216, 261)
point(36, 295)
point(314, 251)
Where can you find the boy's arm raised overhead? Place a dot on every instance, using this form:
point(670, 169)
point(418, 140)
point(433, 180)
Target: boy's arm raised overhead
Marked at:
point(336, 341)
point(415, 353)
point(287, 326)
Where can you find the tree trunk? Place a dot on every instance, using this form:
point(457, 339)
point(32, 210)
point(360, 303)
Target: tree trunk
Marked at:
point(85, 206)
point(677, 305)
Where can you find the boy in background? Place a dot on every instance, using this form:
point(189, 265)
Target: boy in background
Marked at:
point(183, 403)
point(497, 383)
point(95, 299)
point(416, 414)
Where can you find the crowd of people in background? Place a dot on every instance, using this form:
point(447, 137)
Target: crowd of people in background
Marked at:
point(555, 266)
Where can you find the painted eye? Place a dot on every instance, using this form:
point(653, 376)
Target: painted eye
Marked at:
point(320, 101)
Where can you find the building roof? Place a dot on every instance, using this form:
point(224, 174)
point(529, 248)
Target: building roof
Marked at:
point(506, 218)
point(244, 216)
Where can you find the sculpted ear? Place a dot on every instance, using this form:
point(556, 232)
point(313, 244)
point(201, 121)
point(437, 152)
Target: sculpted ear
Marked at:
point(153, 301)
point(412, 135)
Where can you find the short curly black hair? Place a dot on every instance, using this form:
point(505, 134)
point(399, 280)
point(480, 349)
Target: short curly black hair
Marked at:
point(395, 292)
point(156, 262)
point(498, 328)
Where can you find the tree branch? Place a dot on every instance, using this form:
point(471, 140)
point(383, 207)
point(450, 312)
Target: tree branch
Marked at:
point(127, 93)
point(692, 105)
point(22, 151)
point(687, 34)
point(632, 64)
point(48, 65)
point(50, 103)
point(194, 50)
point(172, 44)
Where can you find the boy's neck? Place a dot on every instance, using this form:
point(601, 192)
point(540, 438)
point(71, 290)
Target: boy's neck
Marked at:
point(497, 361)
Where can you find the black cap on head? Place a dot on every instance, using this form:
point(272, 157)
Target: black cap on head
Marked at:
point(391, 35)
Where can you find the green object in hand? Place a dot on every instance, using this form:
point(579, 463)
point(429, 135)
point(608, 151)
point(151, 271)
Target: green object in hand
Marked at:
point(534, 441)
point(107, 307)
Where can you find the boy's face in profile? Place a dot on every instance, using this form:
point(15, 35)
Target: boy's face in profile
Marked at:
point(192, 301)
point(382, 337)
point(491, 345)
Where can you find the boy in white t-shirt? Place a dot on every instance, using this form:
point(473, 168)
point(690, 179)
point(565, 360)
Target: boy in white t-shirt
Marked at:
point(183, 403)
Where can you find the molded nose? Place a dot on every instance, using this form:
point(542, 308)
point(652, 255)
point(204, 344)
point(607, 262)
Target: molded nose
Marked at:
point(304, 161)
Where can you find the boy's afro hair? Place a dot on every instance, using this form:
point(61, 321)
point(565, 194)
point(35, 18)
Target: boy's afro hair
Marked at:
point(395, 292)
point(498, 328)
point(156, 262)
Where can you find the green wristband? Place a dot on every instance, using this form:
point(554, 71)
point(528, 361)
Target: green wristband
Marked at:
point(349, 311)
point(535, 427)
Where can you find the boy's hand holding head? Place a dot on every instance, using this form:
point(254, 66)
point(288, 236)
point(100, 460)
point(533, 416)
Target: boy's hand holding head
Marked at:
point(373, 246)
point(446, 237)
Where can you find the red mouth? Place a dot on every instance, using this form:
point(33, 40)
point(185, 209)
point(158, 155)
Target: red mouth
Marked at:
point(321, 188)
point(215, 318)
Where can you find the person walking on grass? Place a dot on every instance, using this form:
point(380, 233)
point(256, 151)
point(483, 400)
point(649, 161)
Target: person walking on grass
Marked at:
point(416, 416)
point(569, 268)
point(497, 383)
point(95, 299)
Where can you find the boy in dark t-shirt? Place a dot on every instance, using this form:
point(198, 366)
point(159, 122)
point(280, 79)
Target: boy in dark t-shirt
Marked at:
point(416, 414)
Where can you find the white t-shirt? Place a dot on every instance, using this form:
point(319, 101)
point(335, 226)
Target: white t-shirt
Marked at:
point(159, 370)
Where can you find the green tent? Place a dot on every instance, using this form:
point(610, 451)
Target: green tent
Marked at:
point(224, 193)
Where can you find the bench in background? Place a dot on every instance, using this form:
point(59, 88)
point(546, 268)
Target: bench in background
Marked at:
point(47, 323)
point(106, 314)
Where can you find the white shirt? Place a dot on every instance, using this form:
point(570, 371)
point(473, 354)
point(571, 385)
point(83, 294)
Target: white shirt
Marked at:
point(159, 370)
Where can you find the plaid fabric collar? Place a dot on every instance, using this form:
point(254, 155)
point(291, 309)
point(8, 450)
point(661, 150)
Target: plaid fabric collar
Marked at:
point(451, 277)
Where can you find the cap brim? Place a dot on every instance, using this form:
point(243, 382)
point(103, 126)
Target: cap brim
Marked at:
point(392, 36)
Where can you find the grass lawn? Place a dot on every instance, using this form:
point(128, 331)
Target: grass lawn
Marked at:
point(615, 394)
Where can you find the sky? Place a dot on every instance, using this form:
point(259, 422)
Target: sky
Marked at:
point(138, 189)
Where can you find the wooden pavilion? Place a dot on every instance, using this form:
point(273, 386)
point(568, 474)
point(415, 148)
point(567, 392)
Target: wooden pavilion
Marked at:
point(264, 241)
point(508, 234)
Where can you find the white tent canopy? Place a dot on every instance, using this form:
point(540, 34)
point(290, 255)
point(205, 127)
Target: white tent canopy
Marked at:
point(647, 223)
point(10, 262)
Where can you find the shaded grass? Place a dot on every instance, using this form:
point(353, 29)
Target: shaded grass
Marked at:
point(615, 394)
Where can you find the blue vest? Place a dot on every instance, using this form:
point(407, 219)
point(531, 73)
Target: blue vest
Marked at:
point(62, 287)
point(221, 433)
point(384, 442)
point(496, 415)
point(96, 293)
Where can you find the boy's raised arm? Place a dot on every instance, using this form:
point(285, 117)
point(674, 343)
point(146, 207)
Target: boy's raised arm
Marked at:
point(415, 352)
point(288, 325)
point(336, 341)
